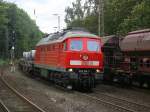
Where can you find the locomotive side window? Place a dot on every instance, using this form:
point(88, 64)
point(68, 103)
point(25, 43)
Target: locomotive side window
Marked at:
point(76, 45)
point(93, 46)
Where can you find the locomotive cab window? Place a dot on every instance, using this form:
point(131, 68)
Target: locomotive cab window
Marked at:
point(93, 45)
point(76, 45)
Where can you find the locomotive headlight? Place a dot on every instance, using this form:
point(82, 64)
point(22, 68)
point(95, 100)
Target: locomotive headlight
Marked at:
point(70, 69)
point(97, 70)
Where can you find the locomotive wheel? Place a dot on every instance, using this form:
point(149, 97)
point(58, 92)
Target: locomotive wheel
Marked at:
point(86, 84)
point(128, 81)
point(143, 82)
point(148, 84)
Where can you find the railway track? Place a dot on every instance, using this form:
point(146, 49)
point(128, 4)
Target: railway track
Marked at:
point(3, 108)
point(128, 104)
point(117, 108)
point(13, 101)
point(117, 104)
point(114, 103)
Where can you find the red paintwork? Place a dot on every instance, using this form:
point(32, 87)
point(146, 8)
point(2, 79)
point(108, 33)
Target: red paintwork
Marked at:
point(54, 55)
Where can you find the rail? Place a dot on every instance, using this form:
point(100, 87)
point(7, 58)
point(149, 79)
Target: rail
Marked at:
point(110, 104)
point(3, 107)
point(29, 103)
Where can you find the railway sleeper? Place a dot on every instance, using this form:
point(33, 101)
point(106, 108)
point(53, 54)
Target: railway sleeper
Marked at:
point(143, 81)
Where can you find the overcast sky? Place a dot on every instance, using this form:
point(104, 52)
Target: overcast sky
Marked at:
point(44, 10)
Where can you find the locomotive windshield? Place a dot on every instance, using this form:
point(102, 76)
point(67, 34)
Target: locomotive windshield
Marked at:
point(92, 45)
point(76, 45)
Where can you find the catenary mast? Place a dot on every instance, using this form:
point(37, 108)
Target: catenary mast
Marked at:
point(101, 18)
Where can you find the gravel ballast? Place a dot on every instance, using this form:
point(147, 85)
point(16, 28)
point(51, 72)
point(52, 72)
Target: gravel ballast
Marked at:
point(53, 99)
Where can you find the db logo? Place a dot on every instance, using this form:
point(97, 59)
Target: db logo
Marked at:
point(85, 57)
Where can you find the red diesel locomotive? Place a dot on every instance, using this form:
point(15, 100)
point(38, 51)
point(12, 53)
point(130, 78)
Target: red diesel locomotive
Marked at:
point(71, 58)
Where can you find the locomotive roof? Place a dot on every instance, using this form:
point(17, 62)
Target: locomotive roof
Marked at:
point(61, 36)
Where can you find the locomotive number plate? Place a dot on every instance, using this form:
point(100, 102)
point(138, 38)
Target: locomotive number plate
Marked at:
point(91, 63)
point(78, 62)
point(87, 63)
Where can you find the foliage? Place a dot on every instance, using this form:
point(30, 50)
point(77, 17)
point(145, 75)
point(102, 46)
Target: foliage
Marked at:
point(120, 16)
point(3, 62)
point(14, 19)
point(139, 19)
point(76, 13)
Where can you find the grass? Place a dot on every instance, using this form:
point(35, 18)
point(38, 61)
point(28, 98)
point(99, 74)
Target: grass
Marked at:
point(3, 62)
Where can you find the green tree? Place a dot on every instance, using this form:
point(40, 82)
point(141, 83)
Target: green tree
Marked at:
point(120, 16)
point(3, 29)
point(139, 18)
point(14, 19)
point(74, 14)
